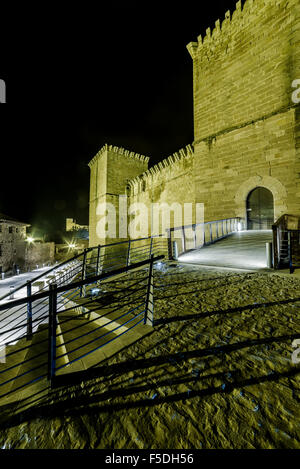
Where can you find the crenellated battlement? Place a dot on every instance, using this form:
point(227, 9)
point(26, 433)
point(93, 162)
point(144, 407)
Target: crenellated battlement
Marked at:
point(235, 63)
point(119, 151)
point(166, 164)
point(223, 29)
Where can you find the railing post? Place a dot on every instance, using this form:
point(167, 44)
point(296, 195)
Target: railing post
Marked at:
point(98, 267)
point(210, 232)
point(175, 251)
point(52, 333)
point(29, 312)
point(151, 247)
point(275, 247)
point(194, 235)
point(148, 318)
point(98, 259)
point(183, 239)
point(169, 241)
point(269, 255)
point(128, 254)
point(290, 252)
point(11, 292)
point(83, 273)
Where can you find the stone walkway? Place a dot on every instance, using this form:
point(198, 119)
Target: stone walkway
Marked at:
point(17, 280)
point(241, 250)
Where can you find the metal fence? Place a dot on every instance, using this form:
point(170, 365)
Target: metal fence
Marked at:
point(70, 326)
point(286, 242)
point(288, 250)
point(92, 260)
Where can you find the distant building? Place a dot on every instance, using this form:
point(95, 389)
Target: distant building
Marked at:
point(16, 253)
point(71, 225)
point(35, 254)
point(12, 237)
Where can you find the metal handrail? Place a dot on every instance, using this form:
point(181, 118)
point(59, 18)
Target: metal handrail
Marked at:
point(79, 283)
point(52, 295)
point(77, 256)
point(193, 225)
point(41, 275)
point(282, 237)
point(53, 346)
point(79, 265)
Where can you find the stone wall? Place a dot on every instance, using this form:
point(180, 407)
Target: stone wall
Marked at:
point(245, 119)
point(35, 254)
point(232, 164)
point(11, 235)
point(171, 180)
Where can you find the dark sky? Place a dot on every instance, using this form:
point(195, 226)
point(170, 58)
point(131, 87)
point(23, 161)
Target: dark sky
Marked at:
point(86, 76)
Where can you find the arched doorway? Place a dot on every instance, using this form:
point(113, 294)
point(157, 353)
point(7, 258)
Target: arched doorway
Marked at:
point(260, 209)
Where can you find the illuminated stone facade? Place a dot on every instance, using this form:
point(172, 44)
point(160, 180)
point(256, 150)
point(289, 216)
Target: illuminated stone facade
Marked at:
point(71, 225)
point(246, 123)
point(16, 252)
point(12, 239)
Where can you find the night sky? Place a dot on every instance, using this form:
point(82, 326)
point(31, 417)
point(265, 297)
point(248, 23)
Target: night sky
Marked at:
point(81, 78)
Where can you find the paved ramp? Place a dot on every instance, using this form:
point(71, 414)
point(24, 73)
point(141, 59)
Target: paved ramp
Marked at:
point(241, 250)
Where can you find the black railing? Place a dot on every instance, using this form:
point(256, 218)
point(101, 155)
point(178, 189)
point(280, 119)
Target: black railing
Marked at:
point(286, 242)
point(291, 246)
point(65, 336)
point(93, 259)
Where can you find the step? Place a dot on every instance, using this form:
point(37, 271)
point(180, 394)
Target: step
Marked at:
point(36, 360)
point(33, 374)
point(12, 365)
point(92, 331)
point(68, 347)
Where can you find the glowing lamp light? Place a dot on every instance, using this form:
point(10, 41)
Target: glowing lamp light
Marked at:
point(29, 239)
point(160, 265)
point(72, 245)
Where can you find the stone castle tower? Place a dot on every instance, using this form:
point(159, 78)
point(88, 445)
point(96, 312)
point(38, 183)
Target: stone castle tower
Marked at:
point(111, 170)
point(246, 145)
